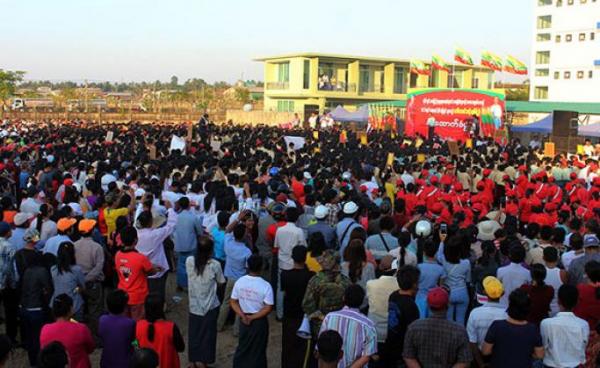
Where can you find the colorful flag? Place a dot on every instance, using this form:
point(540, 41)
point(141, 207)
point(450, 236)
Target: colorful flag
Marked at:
point(513, 65)
point(463, 57)
point(491, 60)
point(419, 67)
point(440, 64)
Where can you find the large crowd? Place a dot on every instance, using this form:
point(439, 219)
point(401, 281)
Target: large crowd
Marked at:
point(384, 251)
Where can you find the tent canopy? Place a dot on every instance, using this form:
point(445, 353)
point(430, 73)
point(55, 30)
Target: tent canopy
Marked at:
point(360, 116)
point(591, 130)
point(541, 126)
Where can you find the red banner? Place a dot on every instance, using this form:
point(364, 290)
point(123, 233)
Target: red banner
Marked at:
point(454, 112)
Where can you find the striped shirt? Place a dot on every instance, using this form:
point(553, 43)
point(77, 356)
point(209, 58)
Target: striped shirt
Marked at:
point(357, 331)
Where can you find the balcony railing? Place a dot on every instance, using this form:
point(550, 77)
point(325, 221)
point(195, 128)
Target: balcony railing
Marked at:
point(278, 85)
point(371, 89)
point(338, 87)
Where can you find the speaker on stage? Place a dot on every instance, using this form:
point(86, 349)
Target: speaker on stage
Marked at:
point(565, 123)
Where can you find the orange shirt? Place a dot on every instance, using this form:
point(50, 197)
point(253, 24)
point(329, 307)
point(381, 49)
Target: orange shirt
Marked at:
point(132, 268)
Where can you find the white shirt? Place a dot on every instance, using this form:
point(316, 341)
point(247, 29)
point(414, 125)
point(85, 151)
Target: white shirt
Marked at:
point(480, 320)
point(105, 180)
point(286, 238)
point(253, 293)
point(378, 295)
point(407, 179)
point(553, 279)
point(512, 277)
point(565, 338)
point(202, 288)
point(30, 205)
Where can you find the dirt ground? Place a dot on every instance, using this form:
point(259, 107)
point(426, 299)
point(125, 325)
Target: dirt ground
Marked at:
point(178, 312)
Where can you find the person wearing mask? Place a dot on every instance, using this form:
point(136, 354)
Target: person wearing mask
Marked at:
point(252, 301)
point(431, 274)
point(286, 238)
point(565, 336)
point(514, 275)
point(591, 248)
point(236, 257)
point(133, 269)
point(436, 341)
point(482, 317)
point(402, 311)
point(116, 332)
point(89, 256)
point(75, 337)
point(514, 342)
point(329, 349)
point(157, 333)
point(323, 227)
point(150, 243)
point(383, 243)
point(68, 278)
point(187, 230)
point(358, 332)
point(539, 293)
point(65, 229)
point(293, 285)
point(345, 226)
point(204, 277)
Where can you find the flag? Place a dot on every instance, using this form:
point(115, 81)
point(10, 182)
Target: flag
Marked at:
point(491, 60)
point(419, 67)
point(463, 57)
point(515, 66)
point(438, 63)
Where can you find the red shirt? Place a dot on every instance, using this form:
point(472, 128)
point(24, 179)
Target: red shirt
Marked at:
point(271, 231)
point(588, 306)
point(163, 342)
point(298, 190)
point(132, 268)
point(75, 337)
point(540, 302)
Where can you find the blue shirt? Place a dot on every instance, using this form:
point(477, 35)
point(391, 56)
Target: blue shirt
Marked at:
point(328, 232)
point(23, 178)
point(219, 240)
point(54, 242)
point(236, 255)
point(187, 230)
point(457, 274)
point(16, 239)
point(431, 272)
point(344, 229)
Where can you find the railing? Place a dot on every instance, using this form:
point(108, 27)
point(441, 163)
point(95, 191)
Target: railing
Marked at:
point(278, 85)
point(338, 87)
point(375, 89)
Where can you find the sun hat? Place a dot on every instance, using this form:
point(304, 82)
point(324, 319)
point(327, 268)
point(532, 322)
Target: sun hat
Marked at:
point(65, 223)
point(321, 212)
point(350, 208)
point(486, 229)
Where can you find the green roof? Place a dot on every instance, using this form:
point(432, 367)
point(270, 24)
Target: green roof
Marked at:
point(539, 106)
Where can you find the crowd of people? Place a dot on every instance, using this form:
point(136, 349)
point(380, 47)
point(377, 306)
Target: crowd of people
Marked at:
point(386, 252)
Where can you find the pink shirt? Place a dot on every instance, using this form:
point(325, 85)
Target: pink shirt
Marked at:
point(76, 338)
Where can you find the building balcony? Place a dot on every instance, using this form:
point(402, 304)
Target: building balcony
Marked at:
point(278, 85)
point(337, 87)
point(371, 89)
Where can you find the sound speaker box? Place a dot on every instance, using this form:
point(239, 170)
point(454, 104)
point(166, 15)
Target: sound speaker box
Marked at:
point(565, 123)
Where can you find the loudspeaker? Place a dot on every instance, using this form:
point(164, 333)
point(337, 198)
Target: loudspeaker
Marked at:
point(565, 123)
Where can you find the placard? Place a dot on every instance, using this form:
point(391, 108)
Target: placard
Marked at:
point(343, 137)
point(177, 143)
point(580, 150)
point(469, 143)
point(298, 142)
point(109, 136)
point(363, 138)
point(549, 149)
point(315, 134)
point(453, 148)
point(390, 159)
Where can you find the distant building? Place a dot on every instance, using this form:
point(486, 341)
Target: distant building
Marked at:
point(565, 56)
point(308, 82)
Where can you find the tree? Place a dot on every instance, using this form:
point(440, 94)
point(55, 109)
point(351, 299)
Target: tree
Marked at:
point(174, 82)
point(8, 84)
point(242, 94)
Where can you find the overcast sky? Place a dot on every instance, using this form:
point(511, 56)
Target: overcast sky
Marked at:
point(216, 40)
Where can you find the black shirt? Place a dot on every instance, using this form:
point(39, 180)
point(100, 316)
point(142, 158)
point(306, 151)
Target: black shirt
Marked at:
point(294, 283)
point(26, 257)
point(513, 344)
point(402, 311)
point(36, 287)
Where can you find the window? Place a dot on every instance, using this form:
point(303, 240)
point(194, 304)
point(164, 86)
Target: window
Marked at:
point(542, 57)
point(475, 82)
point(541, 37)
point(557, 38)
point(568, 38)
point(541, 93)
point(544, 2)
point(283, 72)
point(285, 106)
point(592, 36)
point(544, 22)
point(590, 74)
point(570, 2)
point(580, 74)
point(433, 78)
point(413, 80)
point(306, 75)
point(556, 75)
point(567, 75)
point(371, 78)
point(399, 80)
point(582, 37)
point(558, 3)
point(542, 72)
point(456, 80)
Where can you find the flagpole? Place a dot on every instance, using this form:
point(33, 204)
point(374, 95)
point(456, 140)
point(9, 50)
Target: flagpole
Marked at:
point(453, 69)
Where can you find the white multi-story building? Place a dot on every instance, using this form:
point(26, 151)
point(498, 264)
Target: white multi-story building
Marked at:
point(565, 56)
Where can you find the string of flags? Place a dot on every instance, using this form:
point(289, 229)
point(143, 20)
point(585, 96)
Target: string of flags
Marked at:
point(510, 64)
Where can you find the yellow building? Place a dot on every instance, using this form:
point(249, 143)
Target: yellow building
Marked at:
point(308, 82)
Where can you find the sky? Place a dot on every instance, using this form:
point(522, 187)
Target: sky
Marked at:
point(137, 40)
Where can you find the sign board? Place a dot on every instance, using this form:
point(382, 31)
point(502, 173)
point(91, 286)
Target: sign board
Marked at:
point(298, 142)
point(469, 143)
point(390, 159)
point(177, 143)
point(580, 150)
point(315, 134)
point(363, 138)
point(549, 149)
point(453, 148)
point(453, 111)
point(109, 136)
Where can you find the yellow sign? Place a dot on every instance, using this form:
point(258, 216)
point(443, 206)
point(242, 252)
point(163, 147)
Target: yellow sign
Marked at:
point(469, 143)
point(580, 150)
point(315, 134)
point(317, 150)
point(363, 139)
point(419, 143)
point(390, 159)
point(549, 149)
point(420, 157)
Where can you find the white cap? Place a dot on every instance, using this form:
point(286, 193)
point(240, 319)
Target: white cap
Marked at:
point(346, 176)
point(307, 175)
point(350, 208)
point(139, 192)
point(21, 218)
point(423, 228)
point(321, 212)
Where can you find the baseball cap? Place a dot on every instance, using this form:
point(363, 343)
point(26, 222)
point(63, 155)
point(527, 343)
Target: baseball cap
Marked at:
point(437, 298)
point(321, 212)
point(307, 175)
point(493, 287)
point(590, 241)
point(65, 223)
point(87, 225)
point(350, 208)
